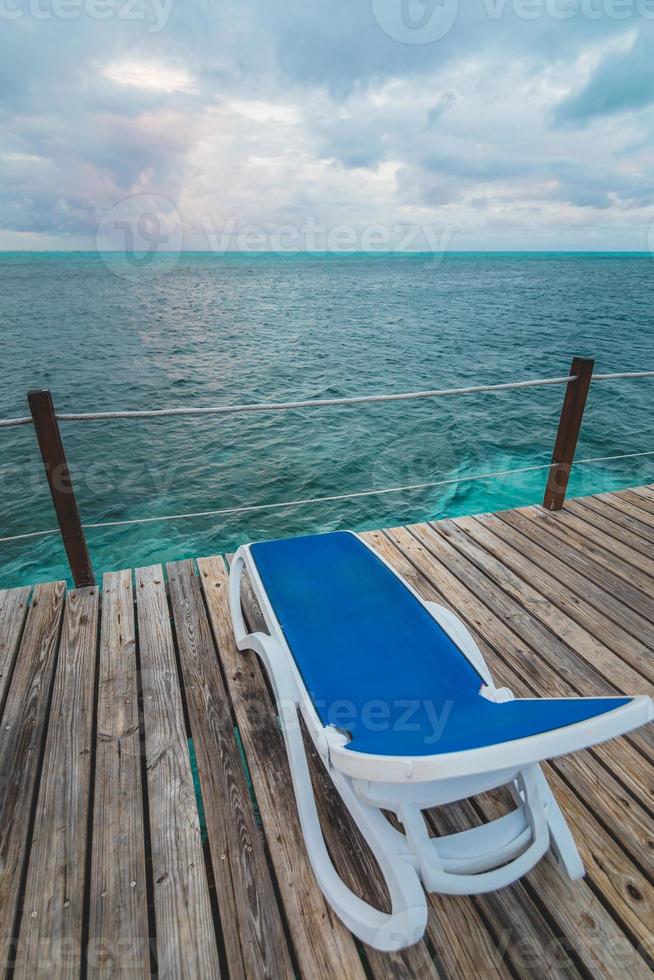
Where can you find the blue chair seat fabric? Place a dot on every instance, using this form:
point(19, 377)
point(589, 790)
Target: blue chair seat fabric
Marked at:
point(379, 667)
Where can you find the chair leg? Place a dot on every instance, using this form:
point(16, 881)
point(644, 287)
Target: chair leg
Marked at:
point(484, 858)
point(406, 922)
point(563, 843)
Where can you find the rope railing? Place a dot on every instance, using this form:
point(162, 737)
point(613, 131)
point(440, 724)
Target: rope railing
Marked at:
point(622, 375)
point(375, 492)
point(288, 406)
point(315, 402)
point(46, 419)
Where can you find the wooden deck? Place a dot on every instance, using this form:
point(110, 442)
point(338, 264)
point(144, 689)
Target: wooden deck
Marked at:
point(108, 869)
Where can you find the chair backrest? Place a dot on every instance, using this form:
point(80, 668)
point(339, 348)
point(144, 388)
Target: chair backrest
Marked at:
point(354, 628)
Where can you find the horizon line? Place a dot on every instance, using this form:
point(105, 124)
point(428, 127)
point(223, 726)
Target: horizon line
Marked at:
point(330, 252)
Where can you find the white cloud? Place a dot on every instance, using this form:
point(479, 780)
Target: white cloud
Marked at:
point(265, 112)
point(150, 76)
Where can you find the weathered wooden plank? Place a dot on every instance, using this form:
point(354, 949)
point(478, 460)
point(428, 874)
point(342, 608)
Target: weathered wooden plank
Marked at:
point(641, 500)
point(119, 942)
point(507, 556)
point(538, 621)
point(599, 610)
point(580, 931)
point(585, 567)
point(21, 740)
point(51, 929)
point(13, 611)
point(593, 550)
point(642, 518)
point(464, 943)
point(252, 928)
point(186, 937)
point(626, 633)
point(323, 947)
point(614, 512)
point(626, 890)
point(646, 492)
point(616, 539)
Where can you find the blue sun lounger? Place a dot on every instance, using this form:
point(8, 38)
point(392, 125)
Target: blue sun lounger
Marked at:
point(403, 711)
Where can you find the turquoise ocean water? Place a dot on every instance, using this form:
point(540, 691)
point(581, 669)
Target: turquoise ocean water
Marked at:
point(210, 330)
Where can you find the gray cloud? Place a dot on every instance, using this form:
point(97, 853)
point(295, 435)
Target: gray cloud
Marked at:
point(620, 83)
point(272, 112)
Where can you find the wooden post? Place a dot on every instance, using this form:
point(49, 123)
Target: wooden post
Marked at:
point(61, 486)
point(566, 438)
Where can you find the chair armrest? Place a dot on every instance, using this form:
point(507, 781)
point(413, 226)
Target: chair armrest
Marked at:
point(463, 638)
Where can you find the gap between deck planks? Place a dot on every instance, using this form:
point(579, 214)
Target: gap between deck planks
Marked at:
point(102, 858)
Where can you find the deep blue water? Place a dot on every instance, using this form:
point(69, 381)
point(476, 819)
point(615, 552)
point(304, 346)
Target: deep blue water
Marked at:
point(230, 329)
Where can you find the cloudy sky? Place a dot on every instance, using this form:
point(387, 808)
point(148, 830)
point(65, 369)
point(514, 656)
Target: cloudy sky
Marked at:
point(503, 124)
